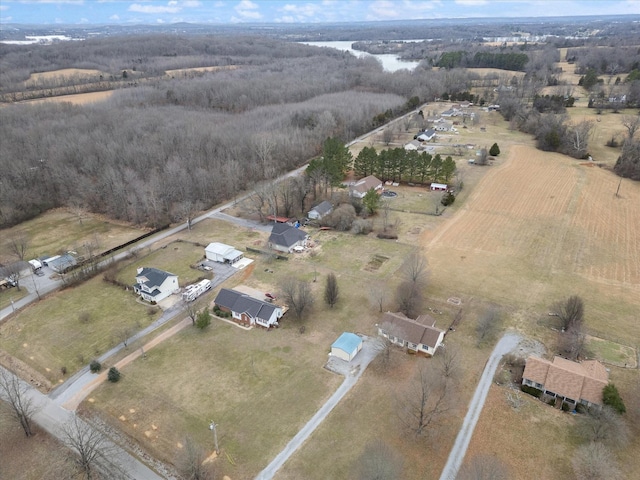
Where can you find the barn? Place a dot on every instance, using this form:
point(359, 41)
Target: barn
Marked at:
point(346, 346)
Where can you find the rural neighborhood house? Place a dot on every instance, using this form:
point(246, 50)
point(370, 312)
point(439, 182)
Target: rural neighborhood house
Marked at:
point(154, 285)
point(360, 188)
point(285, 238)
point(320, 210)
point(246, 310)
point(569, 381)
point(419, 335)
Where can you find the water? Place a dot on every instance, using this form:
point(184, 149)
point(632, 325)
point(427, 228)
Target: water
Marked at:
point(389, 61)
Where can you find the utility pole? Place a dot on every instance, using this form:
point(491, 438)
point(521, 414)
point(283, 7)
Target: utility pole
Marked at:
point(213, 428)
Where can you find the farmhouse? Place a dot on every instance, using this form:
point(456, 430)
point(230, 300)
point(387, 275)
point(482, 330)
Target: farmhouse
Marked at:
point(419, 335)
point(154, 285)
point(246, 310)
point(360, 188)
point(221, 253)
point(413, 145)
point(320, 210)
point(569, 381)
point(285, 237)
point(438, 187)
point(426, 136)
point(346, 346)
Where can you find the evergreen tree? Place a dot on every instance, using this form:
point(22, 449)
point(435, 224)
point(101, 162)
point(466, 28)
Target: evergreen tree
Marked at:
point(494, 151)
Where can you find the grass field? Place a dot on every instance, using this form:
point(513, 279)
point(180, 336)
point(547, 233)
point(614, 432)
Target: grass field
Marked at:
point(76, 98)
point(73, 326)
point(60, 230)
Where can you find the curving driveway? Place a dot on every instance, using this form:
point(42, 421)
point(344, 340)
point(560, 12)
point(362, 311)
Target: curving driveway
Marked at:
point(505, 345)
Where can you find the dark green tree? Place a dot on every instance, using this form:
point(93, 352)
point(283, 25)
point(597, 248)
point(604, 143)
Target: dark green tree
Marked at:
point(371, 201)
point(494, 151)
point(204, 319)
point(113, 375)
point(336, 159)
point(448, 169)
point(447, 199)
point(365, 163)
point(612, 398)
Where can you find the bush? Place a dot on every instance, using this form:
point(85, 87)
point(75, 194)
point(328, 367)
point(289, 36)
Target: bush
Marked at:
point(113, 375)
point(531, 391)
point(611, 397)
point(581, 408)
point(203, 319)
point(566, 407)
point(552, 402)
point(494, 151)
point(447, 199)
point(95, 366)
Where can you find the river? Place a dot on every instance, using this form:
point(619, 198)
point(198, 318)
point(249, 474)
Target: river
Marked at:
point(389, 61)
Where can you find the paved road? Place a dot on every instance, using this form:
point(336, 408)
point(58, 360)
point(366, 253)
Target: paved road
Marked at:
point(353, 371)
point(505, 345)
point(52, 418)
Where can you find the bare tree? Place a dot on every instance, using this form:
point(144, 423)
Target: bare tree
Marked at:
point(190, 462)
point(16, 394)
point(448, 361)
point(570, 312)
point(331, 290)
point(415, 268)
point(409, 298)
point(486, 325)
point(297, 294)
point(604, 425)
point(483, 467)
point(594, 461)
point(387, 135)
point(18, 245)
point(379, 461)
point(13, 272)
point(632, 124)
point(378, 293)
point(89, 445)
point(571, 343)
point(192, 311)
point(579, 140)
point(425, 401)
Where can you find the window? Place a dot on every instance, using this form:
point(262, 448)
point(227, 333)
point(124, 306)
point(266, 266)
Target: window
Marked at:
point(539, 386)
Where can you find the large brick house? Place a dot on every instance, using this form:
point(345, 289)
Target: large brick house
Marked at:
point(569, 381)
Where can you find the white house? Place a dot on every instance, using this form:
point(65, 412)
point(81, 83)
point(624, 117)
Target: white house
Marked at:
point(426, 136)
point(412, 145)
point(285, 237)
point(346, 346)
point(221, 253)
point(154, 285)
point(360, 188)
point(320, 210)
point(419, 335)
point(248, 311)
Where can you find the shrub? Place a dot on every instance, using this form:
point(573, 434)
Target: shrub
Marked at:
point(63, 370)
point(95, 366)
point(552, 402)
point(611, 397)
point(531, 391)
point(203, 319)
point(566, 407)
point(494, 151)
point(581, 408)
point(447, 199)
point(113, 375)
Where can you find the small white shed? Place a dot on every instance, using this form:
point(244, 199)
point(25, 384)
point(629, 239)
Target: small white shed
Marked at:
point(346, 346)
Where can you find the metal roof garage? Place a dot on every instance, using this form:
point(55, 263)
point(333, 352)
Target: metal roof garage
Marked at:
point(346, 346)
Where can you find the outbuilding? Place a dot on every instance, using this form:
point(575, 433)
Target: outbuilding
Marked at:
point(346, 346)
point(438, 187)
point(222, 253)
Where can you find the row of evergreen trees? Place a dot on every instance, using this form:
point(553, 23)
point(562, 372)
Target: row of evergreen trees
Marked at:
point(400, 165)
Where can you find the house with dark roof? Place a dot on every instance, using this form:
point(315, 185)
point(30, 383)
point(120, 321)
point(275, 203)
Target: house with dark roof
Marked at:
point(248, 311)
point(418, 336)
point(320, 210)
point(360, 188)
point(285, 237)
point(426, 136)
point(569, 381)
point(62, 263)
point(154, 285)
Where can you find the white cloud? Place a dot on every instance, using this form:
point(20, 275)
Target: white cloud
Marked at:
point(153, 9)
point(306, 10)
point(159, 20)
point(114, 17)
point(3, 8)
point(247, 11)
point(383, 10)
point(471, 3)
point(76, 2)
point(6, 19)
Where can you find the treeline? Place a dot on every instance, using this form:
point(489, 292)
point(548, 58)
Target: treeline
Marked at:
point(400, 165)
point(505, 61)
point(604, 60)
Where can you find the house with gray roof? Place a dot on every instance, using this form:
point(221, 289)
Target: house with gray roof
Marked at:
point(360, 188)
point(285, 237)
point(248, 311)
point(418, 336)
point(320, 210)
point(222, 253)
point(154, 285)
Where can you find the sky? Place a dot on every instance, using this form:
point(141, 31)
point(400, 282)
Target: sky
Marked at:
point(87, 12)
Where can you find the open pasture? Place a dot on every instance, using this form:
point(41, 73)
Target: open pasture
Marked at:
point(542, 226)
point(69, 75)
point(60, 230)
point(75, 99)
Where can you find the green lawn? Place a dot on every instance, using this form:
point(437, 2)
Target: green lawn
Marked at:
point(6, 295)
point(70, 328)
point(611, 352)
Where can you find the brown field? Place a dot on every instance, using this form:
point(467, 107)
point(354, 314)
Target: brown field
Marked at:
point(75, 99)
point(541, 226)
point(69, 73)
point(180, 71)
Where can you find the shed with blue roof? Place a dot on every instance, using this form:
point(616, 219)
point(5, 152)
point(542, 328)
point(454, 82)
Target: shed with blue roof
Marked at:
point(346, 346)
